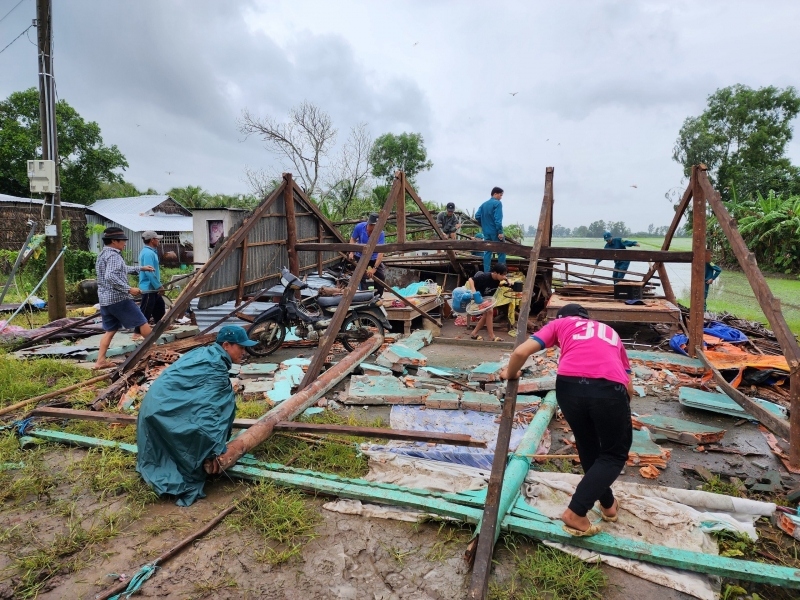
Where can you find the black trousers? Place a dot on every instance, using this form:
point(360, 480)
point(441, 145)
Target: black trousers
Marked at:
point(379, 272)
point(152, 306)
point(599, 414)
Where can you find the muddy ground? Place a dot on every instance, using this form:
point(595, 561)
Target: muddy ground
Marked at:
point(351, 557)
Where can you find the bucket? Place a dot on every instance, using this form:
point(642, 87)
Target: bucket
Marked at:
point(517, 286)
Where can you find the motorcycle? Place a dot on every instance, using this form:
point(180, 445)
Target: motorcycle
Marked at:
point(310, 317)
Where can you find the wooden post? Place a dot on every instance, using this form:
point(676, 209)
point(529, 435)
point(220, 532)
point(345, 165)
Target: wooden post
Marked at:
point(291, 225)
point(332, 331)
point(242, 273)
point(698, 262)
point(665, 284)
point(548, 233)
point(486, 540)
point(321, 238)
point(771, 307)
point(400, 212)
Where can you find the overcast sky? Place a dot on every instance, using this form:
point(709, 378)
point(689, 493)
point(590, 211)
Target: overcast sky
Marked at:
point(601, 88)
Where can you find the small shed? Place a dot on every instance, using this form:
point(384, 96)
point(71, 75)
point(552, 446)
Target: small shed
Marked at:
point(211, 227)
point(15, 213)
point(138, 214)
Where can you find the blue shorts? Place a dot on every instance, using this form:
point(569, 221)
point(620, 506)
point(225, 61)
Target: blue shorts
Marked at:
point(122, 315)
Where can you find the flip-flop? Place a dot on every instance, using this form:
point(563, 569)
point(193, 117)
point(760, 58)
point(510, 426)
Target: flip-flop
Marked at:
point(497, 338)
point(593, 530)
point(477, 337)
point(610, 519)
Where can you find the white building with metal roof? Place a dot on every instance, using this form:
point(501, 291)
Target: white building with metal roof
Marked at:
point(135, 215)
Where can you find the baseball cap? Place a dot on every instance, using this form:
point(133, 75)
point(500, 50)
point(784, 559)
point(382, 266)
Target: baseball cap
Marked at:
point(114, 233)
point(572, 310)
point(234, 334)
point(451, 206)
point(606, 235)
point(151, 235)
point(373, 218)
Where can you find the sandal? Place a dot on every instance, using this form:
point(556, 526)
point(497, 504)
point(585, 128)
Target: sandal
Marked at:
point(477, 337)
point(610, 519)
point(497, 338)
point(593, 530)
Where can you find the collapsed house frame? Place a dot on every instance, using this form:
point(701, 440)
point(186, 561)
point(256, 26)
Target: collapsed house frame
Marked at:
point(287, 227)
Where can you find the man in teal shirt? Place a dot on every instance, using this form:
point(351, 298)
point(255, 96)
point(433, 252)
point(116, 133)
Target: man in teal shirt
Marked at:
point(620, 266)
point(712, 272)
point(152, 304)
point(490, 218)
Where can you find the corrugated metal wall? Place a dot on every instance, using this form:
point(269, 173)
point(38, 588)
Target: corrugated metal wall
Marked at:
point(132, 247)
point(267, 254)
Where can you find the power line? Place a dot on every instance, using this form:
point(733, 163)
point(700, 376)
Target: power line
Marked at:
point(15, 39)
point(12, 10)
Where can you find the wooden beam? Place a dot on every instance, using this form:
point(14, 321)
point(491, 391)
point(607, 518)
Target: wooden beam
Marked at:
point(291, 226)
point(459, 268)
point(242, 273)
point(673, 227)
point(456, 439)
point(484, 549)
point(771, 307)
point(326, 342)
point(400, 214)
point(55, 394)
point(772, 422)
point(698, 263)
point(510, 249)
point(665, 284)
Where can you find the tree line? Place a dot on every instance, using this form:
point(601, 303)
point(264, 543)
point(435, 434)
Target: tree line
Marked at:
point(596, 229)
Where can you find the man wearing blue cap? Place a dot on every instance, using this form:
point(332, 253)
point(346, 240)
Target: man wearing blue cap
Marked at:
point(186, 417)
point(620, 266)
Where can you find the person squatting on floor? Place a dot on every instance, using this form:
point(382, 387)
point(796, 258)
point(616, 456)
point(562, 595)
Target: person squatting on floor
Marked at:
point(486, 284)
point(117, 308)
point(593, 389)
point(186, 417)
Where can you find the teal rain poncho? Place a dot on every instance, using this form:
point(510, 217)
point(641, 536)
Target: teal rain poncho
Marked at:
point(185, 418)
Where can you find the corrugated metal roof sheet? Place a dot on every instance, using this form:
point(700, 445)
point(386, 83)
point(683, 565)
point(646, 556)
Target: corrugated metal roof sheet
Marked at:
point(7, 198)
point(136, 214)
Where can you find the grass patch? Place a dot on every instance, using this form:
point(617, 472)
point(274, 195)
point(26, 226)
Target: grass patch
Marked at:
point(112, 472)
point(98, 429)
point(33, 481)
point(279, 515)
point(716, 485)
point(555, 465)
point(549, 574)
point(250, 409)
point(22, 379)
point(450, 539)
point(735, 545)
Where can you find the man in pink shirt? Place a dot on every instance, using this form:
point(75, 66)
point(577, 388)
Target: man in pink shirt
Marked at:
point(593, 388)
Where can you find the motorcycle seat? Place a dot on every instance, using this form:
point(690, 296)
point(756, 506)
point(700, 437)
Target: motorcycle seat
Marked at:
point(329, 301)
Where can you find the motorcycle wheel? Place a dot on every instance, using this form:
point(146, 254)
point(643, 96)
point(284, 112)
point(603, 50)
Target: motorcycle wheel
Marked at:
point(269, 334)
point(357, 328)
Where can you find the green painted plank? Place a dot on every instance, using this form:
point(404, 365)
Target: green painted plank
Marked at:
point(671, 423)
point(720, 403)
point(666, 360)
point(523, 518)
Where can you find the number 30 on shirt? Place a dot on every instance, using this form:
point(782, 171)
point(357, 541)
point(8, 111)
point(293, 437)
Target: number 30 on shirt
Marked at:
point(602, 331)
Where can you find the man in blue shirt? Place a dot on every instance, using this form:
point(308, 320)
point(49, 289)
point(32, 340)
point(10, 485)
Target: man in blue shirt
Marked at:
point(490, 218)
point(712, 272)
point(361, 235)
point(152, 303)
point(620, 266)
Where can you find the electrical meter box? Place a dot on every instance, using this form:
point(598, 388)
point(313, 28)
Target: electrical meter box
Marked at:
point(42, 175)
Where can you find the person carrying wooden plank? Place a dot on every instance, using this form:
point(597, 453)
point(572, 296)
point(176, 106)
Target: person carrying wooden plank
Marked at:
point(593, 388)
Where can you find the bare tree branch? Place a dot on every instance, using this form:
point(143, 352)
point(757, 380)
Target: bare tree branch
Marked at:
point(304, 140)
point(350, 170)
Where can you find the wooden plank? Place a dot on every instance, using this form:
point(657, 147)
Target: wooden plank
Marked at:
point(456, 439)
point(665, 284)
point(771, 307)
point(776, 425)
point(242, 273)
point(509, 248)
point(291, 226)
point(483, 550)
point(698, 263)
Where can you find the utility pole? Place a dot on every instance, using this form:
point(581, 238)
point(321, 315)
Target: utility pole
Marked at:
point(56, 289)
